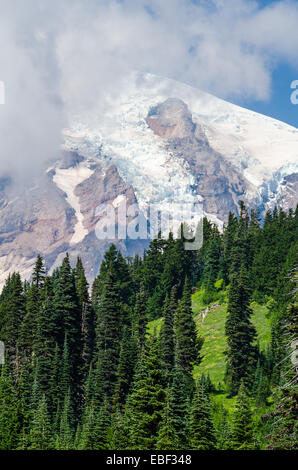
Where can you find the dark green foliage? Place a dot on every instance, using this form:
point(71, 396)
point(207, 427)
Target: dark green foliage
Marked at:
point(167, 437)
point(187, 343)
point(179, 402)
point(44, 340)
point(167, 336)
point(85, 373)
point(12, 314)
point(241, 335)
point(109, 332)
point(11, 419)
point(119, 432)
point(146, 402)
point(127, 363)
point(68, 326)
point(87, 318)
point(202, 432)
point(95, 429)
point(65, 438)
point(41, 437)
point(243, 429)
point(224, 431)
point(285, 430)
point(140, 316)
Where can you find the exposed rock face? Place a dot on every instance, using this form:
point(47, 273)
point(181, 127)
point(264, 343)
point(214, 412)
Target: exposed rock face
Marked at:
point(101, 188)
point(287, 194)
point(217, 181)
point(38, 220)
point(41, 220)
point(171, 119)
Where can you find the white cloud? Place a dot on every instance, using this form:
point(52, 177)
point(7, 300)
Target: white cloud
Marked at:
point(75, 53)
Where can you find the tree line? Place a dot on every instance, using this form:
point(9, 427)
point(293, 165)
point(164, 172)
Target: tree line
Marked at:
point(84, 371)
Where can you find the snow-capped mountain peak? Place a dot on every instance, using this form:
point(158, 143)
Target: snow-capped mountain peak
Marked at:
point(258, 146)
point(159, 142)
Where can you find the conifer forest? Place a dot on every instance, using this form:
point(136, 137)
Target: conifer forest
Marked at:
point(173, 350)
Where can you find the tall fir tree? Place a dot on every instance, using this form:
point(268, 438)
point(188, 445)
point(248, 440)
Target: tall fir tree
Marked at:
point(109, 333)
point(167, 336)
point(243, 428)
point(202, 432)
point(188, 345)
point(241, 335)
point(146, 402)
point(167, 437)
point(40, 437)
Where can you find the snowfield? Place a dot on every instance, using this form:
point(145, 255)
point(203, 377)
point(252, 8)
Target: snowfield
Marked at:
point(262, 148)
point(67, 180)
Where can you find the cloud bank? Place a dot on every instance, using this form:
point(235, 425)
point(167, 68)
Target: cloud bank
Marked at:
point(60, 57)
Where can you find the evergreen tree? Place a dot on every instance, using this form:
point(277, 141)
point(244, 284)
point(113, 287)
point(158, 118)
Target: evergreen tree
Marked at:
point(202, 432)
point(14, 311)
point(127, 363)
point(44, 342)
point(90, 375)
point(109, 333)
point(241, 334)
point(65, 439)
point(140, 316)
point(167, 437)
point(119, 432)
point(147, 399)
point(284, 434)
point(39, 273)
point(41, 433)
point(180, 404)
point(68, 321)
point(224, 431)
point(243, 429)
point(167, 336)
point(28, 327)
point(11, 419)
point(87, 318)
point(95, 429)
point(187, 343)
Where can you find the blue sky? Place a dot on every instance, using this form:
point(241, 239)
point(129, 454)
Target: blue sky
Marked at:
point(279, 106)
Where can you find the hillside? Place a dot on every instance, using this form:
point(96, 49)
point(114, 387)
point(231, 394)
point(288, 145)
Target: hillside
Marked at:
point(92, 369)
point(212, 329)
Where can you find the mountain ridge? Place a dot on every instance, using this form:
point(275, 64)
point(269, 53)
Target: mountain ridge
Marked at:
point(162, 143)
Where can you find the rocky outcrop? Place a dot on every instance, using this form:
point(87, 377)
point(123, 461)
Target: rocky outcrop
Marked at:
point(102, 187)
point(287, 194)
point(39, 220)
point(217, 181)
point(35, 219)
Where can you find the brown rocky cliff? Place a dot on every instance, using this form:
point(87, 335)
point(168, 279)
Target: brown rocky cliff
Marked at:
point(217, 181)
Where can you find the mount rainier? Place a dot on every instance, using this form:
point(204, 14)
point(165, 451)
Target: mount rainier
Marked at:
point(161, 142)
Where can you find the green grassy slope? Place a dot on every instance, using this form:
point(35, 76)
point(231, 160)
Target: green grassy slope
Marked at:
point(212, 329)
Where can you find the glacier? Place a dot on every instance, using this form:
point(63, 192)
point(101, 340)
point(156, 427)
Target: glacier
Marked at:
point(263, 149)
